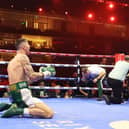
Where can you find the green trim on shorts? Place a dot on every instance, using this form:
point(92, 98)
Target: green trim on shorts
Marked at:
point(18, 86)
point(100, 89)
point(15, 93)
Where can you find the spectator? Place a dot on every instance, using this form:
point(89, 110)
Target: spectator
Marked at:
point(67, 93)
point(43, 92)
point(40, 93)
point(104, 61)
point(54, 92)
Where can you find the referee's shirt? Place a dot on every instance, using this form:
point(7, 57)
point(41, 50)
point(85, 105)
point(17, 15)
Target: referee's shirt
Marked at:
point(119, 71)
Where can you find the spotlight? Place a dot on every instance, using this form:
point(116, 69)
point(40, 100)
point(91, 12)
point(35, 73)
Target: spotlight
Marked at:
point(111, 5)
point(66, 12)
point(90, 16)
point(112, 19)
point(40, 9)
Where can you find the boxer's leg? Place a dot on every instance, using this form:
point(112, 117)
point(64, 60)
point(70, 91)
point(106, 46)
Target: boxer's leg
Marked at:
point(26, 104)
point(4, 106)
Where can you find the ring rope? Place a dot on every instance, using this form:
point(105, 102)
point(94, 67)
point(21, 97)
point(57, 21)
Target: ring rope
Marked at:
point(48, 78)
point(106, 66)
point(45, 64)
point(62, 54)
point(62, 65)
point(94, 88)
point(61, 88)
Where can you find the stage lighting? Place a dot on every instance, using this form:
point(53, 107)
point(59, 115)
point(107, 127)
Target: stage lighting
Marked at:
point(112, 19)
point(111, 5)
point(40, 9)
point(66, 12)
point(90, 16)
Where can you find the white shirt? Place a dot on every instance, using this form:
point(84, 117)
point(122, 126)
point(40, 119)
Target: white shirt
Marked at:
point(120, 70)
point(93, 72)
point(95, 69)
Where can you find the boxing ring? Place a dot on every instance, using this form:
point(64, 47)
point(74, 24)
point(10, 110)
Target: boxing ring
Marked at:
point(75, 113)
point(72, 113)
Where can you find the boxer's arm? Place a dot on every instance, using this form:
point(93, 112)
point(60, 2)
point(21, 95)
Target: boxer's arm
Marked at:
point(103, 73)
point(31, 74)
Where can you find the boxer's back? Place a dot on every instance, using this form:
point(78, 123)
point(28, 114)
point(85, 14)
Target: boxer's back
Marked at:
point(16, 70)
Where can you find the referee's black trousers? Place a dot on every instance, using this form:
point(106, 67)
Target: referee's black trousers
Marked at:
point(116, 86)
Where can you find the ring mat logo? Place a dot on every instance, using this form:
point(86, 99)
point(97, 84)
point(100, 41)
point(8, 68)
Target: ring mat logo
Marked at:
point(61, 125)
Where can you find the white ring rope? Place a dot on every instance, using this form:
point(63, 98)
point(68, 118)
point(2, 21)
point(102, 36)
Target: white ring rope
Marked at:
point(106, 66)
point(95, 88)
point(61, 88)
point(45, 64)
point(62, 65)
point(49, 78)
